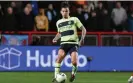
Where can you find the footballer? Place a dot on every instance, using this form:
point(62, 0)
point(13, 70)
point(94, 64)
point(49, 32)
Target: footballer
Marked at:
point(67, 31)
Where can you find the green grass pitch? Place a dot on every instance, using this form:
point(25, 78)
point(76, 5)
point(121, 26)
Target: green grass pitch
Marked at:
point(82, 77)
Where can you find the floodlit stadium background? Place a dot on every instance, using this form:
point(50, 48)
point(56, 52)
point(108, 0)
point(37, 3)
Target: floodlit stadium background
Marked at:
point(27, 54)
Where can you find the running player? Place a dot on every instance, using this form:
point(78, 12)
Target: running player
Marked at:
point(67, 31)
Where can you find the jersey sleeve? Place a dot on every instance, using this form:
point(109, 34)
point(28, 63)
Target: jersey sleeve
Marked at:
point(57, 26)
point(78, 23)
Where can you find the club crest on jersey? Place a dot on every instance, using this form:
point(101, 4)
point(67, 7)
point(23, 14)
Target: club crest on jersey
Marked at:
point(69, 22)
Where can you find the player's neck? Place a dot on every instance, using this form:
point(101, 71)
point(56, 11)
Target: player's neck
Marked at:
point(66, 17)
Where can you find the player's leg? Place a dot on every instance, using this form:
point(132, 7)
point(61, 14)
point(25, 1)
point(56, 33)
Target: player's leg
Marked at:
point(130, 80)
point(61, 55)
point(74, 59)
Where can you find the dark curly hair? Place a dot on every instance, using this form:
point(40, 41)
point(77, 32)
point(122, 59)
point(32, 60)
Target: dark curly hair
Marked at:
point(64, 5)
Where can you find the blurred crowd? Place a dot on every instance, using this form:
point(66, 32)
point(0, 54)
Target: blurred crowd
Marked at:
point(42, 15)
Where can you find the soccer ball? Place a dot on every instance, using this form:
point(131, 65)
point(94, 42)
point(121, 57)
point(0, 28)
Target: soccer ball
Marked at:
point(61, 78)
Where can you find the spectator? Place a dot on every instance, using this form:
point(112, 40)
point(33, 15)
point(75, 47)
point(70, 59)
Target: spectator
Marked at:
point(92, 22)
point(91, 6)
point(4, 5)
point(13, 5)
point(15, 10)
point(9, 22)
point(17, 6)
point(26, 20)
point(102, 18)
point(41, 25)
point(80, 15)
point(1, 11)
point(119, 17)
point(33, 7)
point(86, 14)
point(109, 5)
point(52, 17)
point(107, 21)
point(41, 21)
point(29, 6)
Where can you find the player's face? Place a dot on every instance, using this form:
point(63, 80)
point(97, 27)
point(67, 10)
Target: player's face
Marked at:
point(65, 12)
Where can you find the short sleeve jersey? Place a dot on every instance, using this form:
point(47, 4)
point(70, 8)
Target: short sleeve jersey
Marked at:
point(68, 30)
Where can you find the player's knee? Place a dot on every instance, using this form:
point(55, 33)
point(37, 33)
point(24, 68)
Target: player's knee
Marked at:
point(61, 52)
point(74, 58)
point(74, 63)
point(61, 55)
point(74, 53)
point(59, 59)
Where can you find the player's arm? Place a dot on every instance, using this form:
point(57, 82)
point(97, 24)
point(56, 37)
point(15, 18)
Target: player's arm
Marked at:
point(58, 36)
point(81, 27)
point(83, 34)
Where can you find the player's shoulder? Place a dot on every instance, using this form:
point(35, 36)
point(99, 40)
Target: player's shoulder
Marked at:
point(60, 20)
point(74, 18)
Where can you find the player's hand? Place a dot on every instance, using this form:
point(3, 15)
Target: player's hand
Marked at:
point(81, 42)
point(54, 41)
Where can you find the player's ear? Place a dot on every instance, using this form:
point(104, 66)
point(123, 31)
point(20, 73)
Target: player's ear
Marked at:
point(69, 10)
point(60, 12)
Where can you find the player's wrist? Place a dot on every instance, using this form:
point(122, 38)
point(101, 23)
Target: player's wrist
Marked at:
point(54, 40)
point(82, 39)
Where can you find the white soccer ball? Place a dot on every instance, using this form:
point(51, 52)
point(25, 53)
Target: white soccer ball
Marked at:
point(61, 78)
